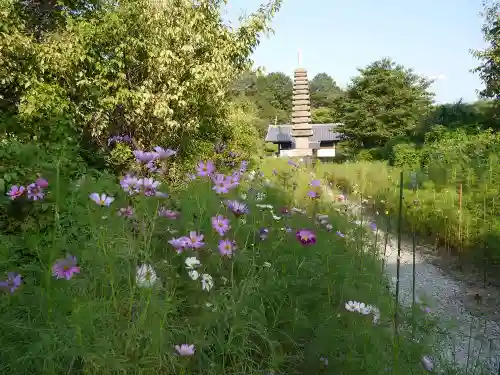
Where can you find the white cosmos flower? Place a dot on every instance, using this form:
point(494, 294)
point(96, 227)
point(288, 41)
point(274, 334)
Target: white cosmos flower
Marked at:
point(145, 276)
point(193, 274)
point(192, 263)
point(207, 282)
point(352, 306)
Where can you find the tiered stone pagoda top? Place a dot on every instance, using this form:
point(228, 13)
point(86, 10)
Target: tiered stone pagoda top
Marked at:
point(301, 109)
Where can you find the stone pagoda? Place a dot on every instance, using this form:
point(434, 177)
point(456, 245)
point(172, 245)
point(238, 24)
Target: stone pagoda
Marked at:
point(301, 113)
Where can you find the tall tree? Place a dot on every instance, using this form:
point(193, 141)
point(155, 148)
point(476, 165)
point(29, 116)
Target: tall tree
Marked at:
point(384, 101)
point(489, 70)
point(323, 90)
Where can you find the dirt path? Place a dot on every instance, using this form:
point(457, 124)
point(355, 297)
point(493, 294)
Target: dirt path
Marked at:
point(471, 333)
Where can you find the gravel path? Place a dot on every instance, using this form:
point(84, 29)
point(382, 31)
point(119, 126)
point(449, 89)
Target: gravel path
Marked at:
point(471, 339)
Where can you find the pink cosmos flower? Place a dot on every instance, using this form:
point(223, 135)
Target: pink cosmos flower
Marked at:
point(179, 244)
point(306, 237)
point(35, 192)
point(185, 350)
point(205, 169)
point(220, 224)
point(226, 247)
point(220, 184)
point(16, 191)
point(65, 268)
point(194, 240)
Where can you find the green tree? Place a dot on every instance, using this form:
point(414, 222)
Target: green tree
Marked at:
point(384, 101)
point(489, 70)
point(322, 115)
point(323, 91)
point(158, 71)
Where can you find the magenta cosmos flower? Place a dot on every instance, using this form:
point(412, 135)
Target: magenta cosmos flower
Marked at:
point(226, 247)
point(220, 224)
point(65, 268)
point(185, 350)
point(16, 191)
point(306, 237)
point(12, 283)
point(205, 168)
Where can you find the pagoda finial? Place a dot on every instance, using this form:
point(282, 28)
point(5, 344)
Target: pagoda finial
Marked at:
point(299, 57)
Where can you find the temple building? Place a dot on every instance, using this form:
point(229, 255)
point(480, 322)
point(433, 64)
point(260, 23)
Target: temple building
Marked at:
point(301, 138)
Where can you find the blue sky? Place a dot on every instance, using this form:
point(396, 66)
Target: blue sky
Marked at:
point(433, 37)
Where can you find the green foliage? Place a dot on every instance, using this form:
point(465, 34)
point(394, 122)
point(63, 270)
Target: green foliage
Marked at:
point(271, 148)
point(446, 161)
point(120, 157)
point(489, 70)
point(384, 101)
point(324, 91)
point(156, 71)
point(405, 155)
point(322, 115)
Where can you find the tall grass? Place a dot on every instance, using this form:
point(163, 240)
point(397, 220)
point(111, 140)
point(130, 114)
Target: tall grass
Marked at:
point(458, 216)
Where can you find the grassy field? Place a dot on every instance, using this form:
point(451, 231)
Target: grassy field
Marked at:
point(461, 219)
point(128, 286)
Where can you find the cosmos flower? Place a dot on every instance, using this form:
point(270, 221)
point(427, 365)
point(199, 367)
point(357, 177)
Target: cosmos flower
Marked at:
point(205, 168)
point(41, 182)
point(101, 200)
point(207, 282)
point(192, 262)
point(220, 224)
point(126, 211)
point(65, 268)
point(226, 247)
point(236, 207)
point(164, 153)
point(169, 214)
point(13, 282)
point(220, 184)
point(35, 192)
point(306, 237)
point(149, 185)
point(130, 184)
point(185, 350)
point(16, 191)
point(145, 276)
point(194, 240)
point(179, 244)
